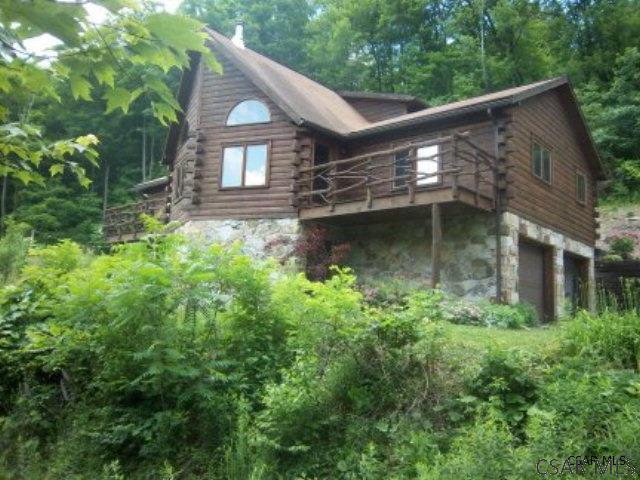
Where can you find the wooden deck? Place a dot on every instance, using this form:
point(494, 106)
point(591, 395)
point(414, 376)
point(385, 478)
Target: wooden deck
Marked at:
point(398, 201)
point(373, 182)
point(124, 223)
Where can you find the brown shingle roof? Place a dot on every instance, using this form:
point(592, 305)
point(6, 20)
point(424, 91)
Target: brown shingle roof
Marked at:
point(502, 98)
point(305, 101)
point(308, 102)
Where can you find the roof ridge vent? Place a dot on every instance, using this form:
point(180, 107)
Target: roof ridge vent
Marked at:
point(238, 37)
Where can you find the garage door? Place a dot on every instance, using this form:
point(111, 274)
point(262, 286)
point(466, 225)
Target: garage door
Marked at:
point(531, 277)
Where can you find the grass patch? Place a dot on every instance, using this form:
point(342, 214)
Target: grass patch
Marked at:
point(477, 340)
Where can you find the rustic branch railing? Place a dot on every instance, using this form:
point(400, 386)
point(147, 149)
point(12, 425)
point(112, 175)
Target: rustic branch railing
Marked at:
point(125, 220)
point(461, 164)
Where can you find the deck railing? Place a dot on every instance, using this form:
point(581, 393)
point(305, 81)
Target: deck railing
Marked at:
point(124, 222)
point(462, 164)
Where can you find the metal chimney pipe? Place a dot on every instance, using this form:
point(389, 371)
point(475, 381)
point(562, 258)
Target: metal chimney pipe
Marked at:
point(238, 37)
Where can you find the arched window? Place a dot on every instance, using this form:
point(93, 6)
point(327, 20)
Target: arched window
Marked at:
point(247, 112)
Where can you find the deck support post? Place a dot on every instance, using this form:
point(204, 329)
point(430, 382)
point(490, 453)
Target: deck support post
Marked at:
point(436, 244)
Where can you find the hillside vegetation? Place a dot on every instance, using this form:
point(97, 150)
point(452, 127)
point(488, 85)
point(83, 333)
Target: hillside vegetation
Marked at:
point(168, 360)
point(119, 100)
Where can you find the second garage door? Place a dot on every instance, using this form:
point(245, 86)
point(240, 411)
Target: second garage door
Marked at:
point(531, 277)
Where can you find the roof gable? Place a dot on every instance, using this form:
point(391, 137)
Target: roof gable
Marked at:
point(306, 102)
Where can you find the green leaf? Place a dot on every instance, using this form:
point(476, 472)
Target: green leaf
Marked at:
point(105, 74)
point(163, 112)
point(80, 87)
point(118, 98)
point(84, 182)
point(211, 62)
point(56, 169)
point(176, 31)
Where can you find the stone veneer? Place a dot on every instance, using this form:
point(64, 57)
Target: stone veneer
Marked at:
point(514, 228)
point(402, 250)
point(260, 238)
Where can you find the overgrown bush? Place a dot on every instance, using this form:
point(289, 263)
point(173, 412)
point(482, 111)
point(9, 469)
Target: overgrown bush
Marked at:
point(13, 250)
point(622, 246)
point(468, 312)
point(165, 359)
point(612, 336)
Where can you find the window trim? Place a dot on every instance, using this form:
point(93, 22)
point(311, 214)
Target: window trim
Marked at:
point(536, 141)
point(179, 180)
point(244, 146)
point(438, 177)
point(581, 174)
point(414, 164)
point(233, 107)
point(395, 166)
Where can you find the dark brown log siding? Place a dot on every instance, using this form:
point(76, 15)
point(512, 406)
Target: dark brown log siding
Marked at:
point(185, 152)
point(219, 94)
point(376, 110)
point(555, 206)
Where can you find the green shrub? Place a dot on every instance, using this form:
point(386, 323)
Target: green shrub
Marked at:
point(585, 411)
point(622, 246)
point(482, 451)
point(611, 336)
point(165, 359)
point(488, 314)
point(505, 382)
point(13, 250)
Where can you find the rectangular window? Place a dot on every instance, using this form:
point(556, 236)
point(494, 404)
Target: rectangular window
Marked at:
point(427, 164)
point(581, 187)
point(401, 169)
point(244, 166)
point(541, 162)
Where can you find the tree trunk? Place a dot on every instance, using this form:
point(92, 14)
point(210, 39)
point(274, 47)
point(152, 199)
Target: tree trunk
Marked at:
point(483, 59)
point(3, 204)
point(144, 149)
point(105, 189)
point(151, 155)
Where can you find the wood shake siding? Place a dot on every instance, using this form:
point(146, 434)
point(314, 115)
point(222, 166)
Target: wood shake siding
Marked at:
point(219, 94)
point(376, 110)
point(546, 119)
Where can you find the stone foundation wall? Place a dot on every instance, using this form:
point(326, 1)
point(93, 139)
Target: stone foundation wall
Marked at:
point(260, 238)
point(514, 228)
point(402, 250)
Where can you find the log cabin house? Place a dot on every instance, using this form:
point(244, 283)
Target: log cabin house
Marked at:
point(490, 197)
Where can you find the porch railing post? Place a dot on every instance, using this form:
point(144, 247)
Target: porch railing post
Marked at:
point(413, 179)
point(436, 244)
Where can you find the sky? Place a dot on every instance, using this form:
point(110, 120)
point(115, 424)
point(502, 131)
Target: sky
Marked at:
point(42, 44)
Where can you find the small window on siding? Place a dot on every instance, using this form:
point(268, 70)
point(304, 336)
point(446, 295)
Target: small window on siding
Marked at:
point(244, 166)
point(248, 112)
point(541, 162)
point(179, 176)
point(401, 169)
point(581, 187)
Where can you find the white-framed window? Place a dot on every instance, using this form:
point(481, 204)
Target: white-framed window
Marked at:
point(428, 164)
point(541, 162)
point(581, 187)
point(248, 112)
point(245, 166)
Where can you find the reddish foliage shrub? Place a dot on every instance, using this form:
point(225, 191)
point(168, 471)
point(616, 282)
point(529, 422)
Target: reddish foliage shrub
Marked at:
point(320, 251)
